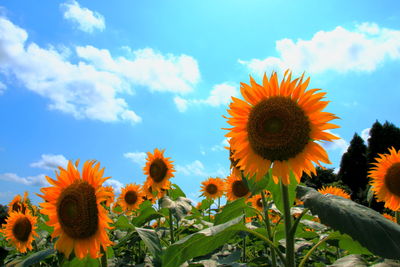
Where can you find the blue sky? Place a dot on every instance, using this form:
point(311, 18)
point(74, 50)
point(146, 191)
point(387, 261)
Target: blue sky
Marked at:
point(94, 80)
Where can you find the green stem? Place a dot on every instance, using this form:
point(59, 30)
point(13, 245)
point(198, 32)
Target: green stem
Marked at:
point(103, 257)
point(269, 242)
point(297, 221)
point(303, 261)
point(244, 240)
point(268, 226)
point(171, 226)
point(290, 261)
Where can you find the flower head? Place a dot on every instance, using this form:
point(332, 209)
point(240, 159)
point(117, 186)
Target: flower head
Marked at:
point(213, 188)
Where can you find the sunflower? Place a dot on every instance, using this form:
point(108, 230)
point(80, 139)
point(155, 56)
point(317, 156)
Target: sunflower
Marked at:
point(131, 197)
point(385, 179)
point(153, 195)
point(236, 188)
point(213, 188)
point(389, 217)
point(17, 204)
point(20, 229)
point(73, 205)
point(334, 191)
point(256, 202)
point(158, 169)
point(276, 127)
point(110, 199)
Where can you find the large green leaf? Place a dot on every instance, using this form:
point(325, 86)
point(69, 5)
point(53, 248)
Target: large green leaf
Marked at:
point(276, 192)
point(85, 262)
point(123, 223)
point(254, 186)
point(176, 192)
point(35, 258)
point(151, 240)
point(230, 211)
point(369, 228)
point(201, 243)
point(146, 214)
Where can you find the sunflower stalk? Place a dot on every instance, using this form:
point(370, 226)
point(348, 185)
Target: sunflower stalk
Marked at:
point(290, 259)
point(268, 226)
point(171, 223)
point(244, 239)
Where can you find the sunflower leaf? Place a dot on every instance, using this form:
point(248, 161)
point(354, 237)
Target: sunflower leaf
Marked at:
point(85, 262)
point(201, 243)
point(146, 214)
point(275, 190)
point(230, 211)
point(350, 260)
point(379, 235)
point(35, 258)
point(254, 186)
point(176, 192)
point(152, 241)
point(123, 223)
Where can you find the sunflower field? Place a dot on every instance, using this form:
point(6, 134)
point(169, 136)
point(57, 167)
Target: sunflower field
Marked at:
point(260, 215)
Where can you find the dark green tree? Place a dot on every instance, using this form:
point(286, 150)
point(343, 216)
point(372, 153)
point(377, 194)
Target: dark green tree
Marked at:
point(324, 177)
point(354, 168)
point(382, 137)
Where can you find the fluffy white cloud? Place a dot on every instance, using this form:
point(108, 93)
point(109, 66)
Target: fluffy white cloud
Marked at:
point(196, 168)
point(137, 157)
point(341, 50)
point(339, 144)
point(163, 73)
point(117, 185)
point(50, 162)
point(221, 94)
point(85, 19)
point(221, 146)
point(38, 180)
point(3, 87)
point(365, 135)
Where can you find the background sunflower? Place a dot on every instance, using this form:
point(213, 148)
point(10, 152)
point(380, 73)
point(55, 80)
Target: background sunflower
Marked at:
point(158, 169)
point(213, 188)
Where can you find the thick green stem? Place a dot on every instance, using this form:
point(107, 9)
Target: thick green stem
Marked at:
point(297, 221)
point(304, 260)
point(290, 261)
point(268, 226)
point(244, 240)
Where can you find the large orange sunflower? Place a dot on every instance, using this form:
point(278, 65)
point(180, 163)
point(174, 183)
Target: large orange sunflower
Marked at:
point(131, 197)
point(276, 127)
point(334, 191)
point(73, 205)
point(236, 188)
point(213, 188)
point(20, 229)
point(159, 169)
point(385, 177)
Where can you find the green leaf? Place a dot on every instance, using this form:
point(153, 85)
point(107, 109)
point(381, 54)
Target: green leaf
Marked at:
point(35, 258)
point(123, 223)
point(379, 235)
point(254, 186)
point(206, 203)
point(275, 190)
point(230, 211)
point(44, 227)
point(176, 192)
point(150, 238)
point(110, 252)
point(201, 243)
point(85, 262)
point(145, 215)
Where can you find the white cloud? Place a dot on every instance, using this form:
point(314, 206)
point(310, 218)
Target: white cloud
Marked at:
point(85, 19)
point(339, 144)
point(221, 94)
point(50, 162)
point(38, 180)
point(196, 168)
point(365, 135)
point(221, 146)
point(137, 157)
point(117, 185)
point(3, 87)
point(159, 73)
point(362, 49)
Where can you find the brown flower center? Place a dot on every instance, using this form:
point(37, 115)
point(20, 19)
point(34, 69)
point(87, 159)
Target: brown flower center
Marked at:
point(259, 203)
point(131, 197)
point(239, 189)
point(158, 170)
point(211, 189)
point(22, 229)
point(77, 210)
point(278, 128)
point(392, 179)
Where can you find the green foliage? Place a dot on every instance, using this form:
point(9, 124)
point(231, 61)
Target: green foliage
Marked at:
point(146, 213)
point(85, 262)
point(275, 190)
point(150, 238)
point(200, 243)
point(35, 258)
point(230, 211)
point(369, 228)
point(123, 223)
point(324, 177)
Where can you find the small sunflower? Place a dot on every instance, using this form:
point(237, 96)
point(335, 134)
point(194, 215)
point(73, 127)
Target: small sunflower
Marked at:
point(20, 229)
point(276, 126)
point(158, 169)
point(153, 195)
point(236, 188)
point(131, 197)
point(17, 204)
point(73, 205)
point(256, 202)
point(110, 198)
point(213, 188)
point(385, 177)
point(334, 191)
